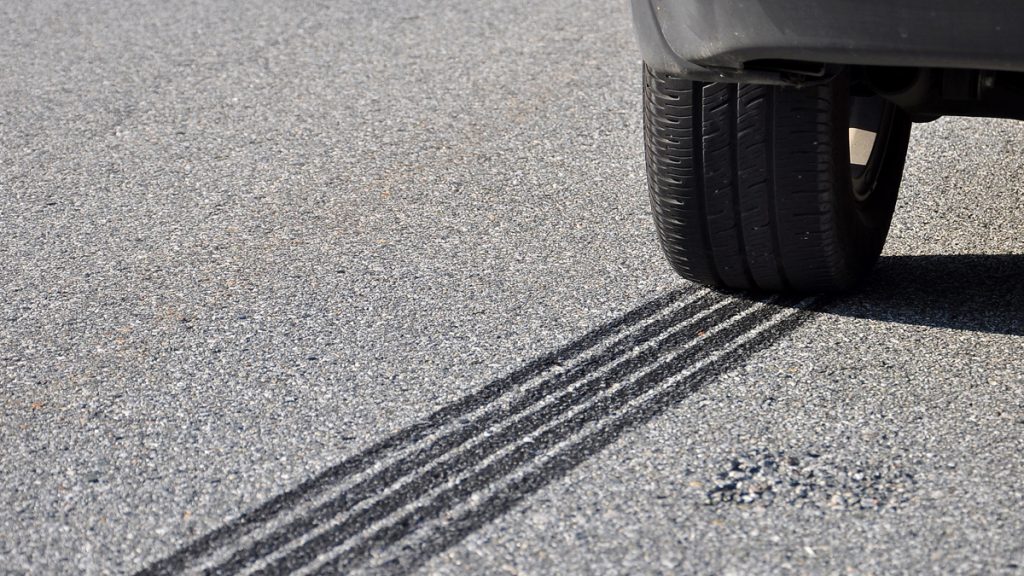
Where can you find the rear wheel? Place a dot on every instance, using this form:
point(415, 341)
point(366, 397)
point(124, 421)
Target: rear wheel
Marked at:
point(771, 188)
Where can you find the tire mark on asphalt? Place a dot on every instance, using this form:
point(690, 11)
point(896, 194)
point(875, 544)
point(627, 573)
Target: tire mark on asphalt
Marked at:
point(260, 516)
point(737, 324)
point(553, 385)
point(456, 529)
point(676, 327)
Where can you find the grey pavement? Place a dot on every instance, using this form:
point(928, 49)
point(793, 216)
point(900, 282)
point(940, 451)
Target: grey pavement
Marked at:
point(247, 249)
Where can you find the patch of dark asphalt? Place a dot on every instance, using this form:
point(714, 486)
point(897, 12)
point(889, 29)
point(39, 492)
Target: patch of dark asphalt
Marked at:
point(811, 478)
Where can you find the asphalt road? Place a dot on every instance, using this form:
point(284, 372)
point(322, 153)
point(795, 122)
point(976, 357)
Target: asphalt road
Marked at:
point(373, 286)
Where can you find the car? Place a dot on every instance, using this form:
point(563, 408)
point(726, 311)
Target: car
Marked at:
point(776, 131)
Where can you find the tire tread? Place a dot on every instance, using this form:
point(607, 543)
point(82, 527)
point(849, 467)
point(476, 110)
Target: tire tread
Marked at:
point(742, 181)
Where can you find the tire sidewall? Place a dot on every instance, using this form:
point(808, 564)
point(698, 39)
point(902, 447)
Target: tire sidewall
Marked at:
point(864, 224)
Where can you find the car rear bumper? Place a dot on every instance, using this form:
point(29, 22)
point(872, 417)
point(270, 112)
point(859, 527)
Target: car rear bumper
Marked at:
point(728, 39)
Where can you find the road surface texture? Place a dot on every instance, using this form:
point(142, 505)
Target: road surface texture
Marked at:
point(372, 286)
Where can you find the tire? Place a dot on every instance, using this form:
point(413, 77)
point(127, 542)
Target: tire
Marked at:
point(752, 186)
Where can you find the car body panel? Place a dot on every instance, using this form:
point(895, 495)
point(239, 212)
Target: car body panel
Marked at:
point(718, 39)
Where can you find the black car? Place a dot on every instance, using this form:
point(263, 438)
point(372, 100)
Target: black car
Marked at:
point(776, 130)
